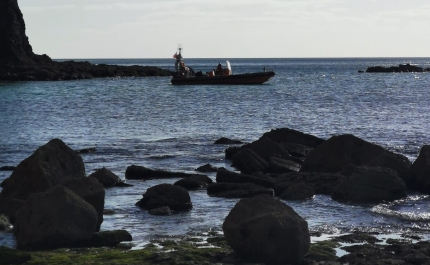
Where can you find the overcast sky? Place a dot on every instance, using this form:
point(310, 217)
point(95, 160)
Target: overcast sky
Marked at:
point(228, 28)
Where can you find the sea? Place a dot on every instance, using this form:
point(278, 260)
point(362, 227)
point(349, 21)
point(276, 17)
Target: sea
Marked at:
point(148, 122)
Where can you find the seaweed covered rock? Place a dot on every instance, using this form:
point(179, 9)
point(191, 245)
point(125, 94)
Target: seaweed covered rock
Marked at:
point(13, 256)
point(51, 164)
point(54, 219)
point(264, 229)
point(174, 197)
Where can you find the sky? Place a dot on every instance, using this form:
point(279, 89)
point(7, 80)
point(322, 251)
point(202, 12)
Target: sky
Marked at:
point(228, 28)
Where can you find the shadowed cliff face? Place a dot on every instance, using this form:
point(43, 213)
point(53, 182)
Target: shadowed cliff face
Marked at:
point(14, 45)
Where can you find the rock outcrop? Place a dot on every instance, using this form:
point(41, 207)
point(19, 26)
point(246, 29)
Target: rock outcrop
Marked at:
point(264, 229)
point(420, 171)
point(18, 61)
point(402, 68)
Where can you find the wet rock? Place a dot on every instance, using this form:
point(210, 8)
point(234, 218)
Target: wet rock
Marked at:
point(9, 207)
point(51, 164)
point(369, 185)
point(194, 182)
point(339, 151)
point(143, 173)
point(4, 223)
point(420, 171)
point(322, 183)
point(7, 168)
point(175, 197)
point(54, 219)
point(106, 177)
point(109, 238)
point(232, 177)
point(266, 148)
point(237, 190)
point(92, 192)
point(231, 151)
point(280, 165)
point(264, 229)
point(298, 192)
point(298, 150)
point(86, 150)
point(224, 140)
point(161, 211)
point(248, 162)
point(207, 168)
point(13, 256)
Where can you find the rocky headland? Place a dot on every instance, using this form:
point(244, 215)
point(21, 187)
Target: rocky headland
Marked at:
point(402, 68)
point(18, 62)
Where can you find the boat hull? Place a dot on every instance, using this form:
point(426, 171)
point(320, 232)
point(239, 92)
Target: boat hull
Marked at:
point(240, 79)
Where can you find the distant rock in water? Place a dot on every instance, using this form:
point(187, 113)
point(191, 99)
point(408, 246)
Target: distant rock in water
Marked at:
point(18, 61)
point(402, 68)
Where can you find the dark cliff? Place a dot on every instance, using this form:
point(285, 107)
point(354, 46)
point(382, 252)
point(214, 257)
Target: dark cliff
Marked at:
point(18, 61)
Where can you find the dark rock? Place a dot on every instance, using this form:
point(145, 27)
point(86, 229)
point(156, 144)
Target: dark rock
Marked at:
point(232, 177)
point(194, 182)
point(370, 185)
point(92, 192)
point(4, 223)
point(279, 188)
point(248, 162)
point(323, 183)
point(54, 219)
point(13, 256)
point(86, 150)
point(161, 211)
point(264, 229)
point(231, 151)
point(50, 165)
point(237, 190)
point(109, 238)
point(284, 135)
point(175, 197)
point(106, 177)
point(18, 62)
point(339, 151)
point(266, 148)
point(402, 68)
point(280, 165)
point(298, 192)
point(358, 237)
point(143, 173)
point(207, 168)
point(420, 171)
point(224, 140)
point(9, 207)
point(7, 168)
point(297, 150)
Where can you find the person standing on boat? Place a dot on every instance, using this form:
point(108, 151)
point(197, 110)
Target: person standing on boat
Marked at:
point(219, 70)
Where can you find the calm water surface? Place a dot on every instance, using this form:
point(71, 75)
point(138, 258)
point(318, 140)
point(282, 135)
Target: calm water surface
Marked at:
point(149, 122)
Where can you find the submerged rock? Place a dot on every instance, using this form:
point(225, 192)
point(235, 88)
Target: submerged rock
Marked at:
point(264, 229)
point(224, 140)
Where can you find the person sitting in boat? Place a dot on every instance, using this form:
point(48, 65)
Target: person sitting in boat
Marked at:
point(219, 70)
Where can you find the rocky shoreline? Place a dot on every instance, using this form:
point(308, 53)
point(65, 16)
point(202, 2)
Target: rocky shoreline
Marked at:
point(19, 63)
point(283, 164)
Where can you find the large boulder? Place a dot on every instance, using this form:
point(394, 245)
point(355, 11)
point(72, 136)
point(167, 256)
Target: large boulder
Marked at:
point(339, 151)
point(92, 192)
point(420, 171)
point(264, 229)
point(9, 207)
point(174, 197)
point(51, 164)
point(194, 182)
point(248, 162)
point(106, 177)
point(237, 190)
point(286, 135)
point(54, 219)
point(233, 177)
point(369, 185)
point(322, 183)
point(298, 192)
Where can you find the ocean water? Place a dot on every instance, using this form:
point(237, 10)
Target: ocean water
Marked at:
point(149, 122)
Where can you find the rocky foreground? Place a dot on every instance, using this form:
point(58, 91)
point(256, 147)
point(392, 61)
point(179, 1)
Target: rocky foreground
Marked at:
point(52, 205)
point(19, 63)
